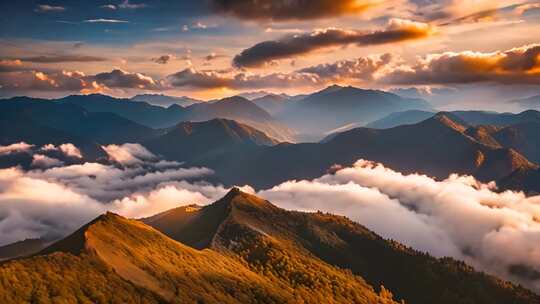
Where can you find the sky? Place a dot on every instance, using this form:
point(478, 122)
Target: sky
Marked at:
point(216, 48)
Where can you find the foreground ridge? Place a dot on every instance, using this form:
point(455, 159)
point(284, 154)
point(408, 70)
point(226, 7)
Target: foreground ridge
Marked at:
point(272, 240)
point(116, 260)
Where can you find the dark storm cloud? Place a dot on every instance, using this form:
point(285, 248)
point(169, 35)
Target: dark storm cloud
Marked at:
point(289, 9)
point(300, 44)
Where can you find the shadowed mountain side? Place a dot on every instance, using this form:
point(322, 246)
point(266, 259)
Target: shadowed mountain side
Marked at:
point(527, 180)
point(283, 243)
point(140, 112)
point(437, 147)
point(523, 137)
point(116, 260)
point(21, 248)
point(102, 127)
point(199, 140)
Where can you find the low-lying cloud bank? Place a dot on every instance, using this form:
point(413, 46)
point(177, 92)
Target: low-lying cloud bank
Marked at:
point(53, 199)
point(458, 217)
point(498, 232)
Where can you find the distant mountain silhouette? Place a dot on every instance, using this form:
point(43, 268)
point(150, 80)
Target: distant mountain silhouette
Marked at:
point(165, 100)
point(337, 106)
point(241, 110)
point(286, 243)
point(237, 108)
point(532, 102)
point(272, 103)
point(472, 118)
point(400, 118)
point(200, 140)
point(140, 112)
point(497, 119)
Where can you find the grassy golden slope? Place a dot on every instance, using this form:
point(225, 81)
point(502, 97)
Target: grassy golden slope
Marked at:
point(116, 260)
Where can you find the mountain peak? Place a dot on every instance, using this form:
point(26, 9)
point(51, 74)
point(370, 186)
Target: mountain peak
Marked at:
point(239, 199)
point(76, 242)
point(448, 120)
point(236, 98)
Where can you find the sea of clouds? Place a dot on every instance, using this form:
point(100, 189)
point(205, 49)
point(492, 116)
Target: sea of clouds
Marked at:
point(494, 231)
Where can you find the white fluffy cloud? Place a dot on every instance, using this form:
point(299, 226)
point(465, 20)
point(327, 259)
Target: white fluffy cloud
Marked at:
point(54, 199)
point(68, 149)
point(457, 217)
point(128, 154)
point(43, 161)
point(15, 148)
point(31, 207)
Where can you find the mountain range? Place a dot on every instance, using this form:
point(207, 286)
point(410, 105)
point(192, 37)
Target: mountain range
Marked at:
point(445, 144)
point(242, 249)
point(488, 145)
point(237, 108)
point(472, 118)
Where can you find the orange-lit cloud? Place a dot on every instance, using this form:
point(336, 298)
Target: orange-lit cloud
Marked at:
point(290, 9)
point(515, 66)
point(10, 65)
point(62, 58)
point(75, 81)
point(262, 53)
point(359, 69)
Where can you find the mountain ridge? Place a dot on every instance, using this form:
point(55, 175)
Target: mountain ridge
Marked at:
point(255, 229)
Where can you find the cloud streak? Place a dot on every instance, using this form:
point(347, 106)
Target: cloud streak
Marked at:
point(45, 8)
point(62, 58)
point(103, 20)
